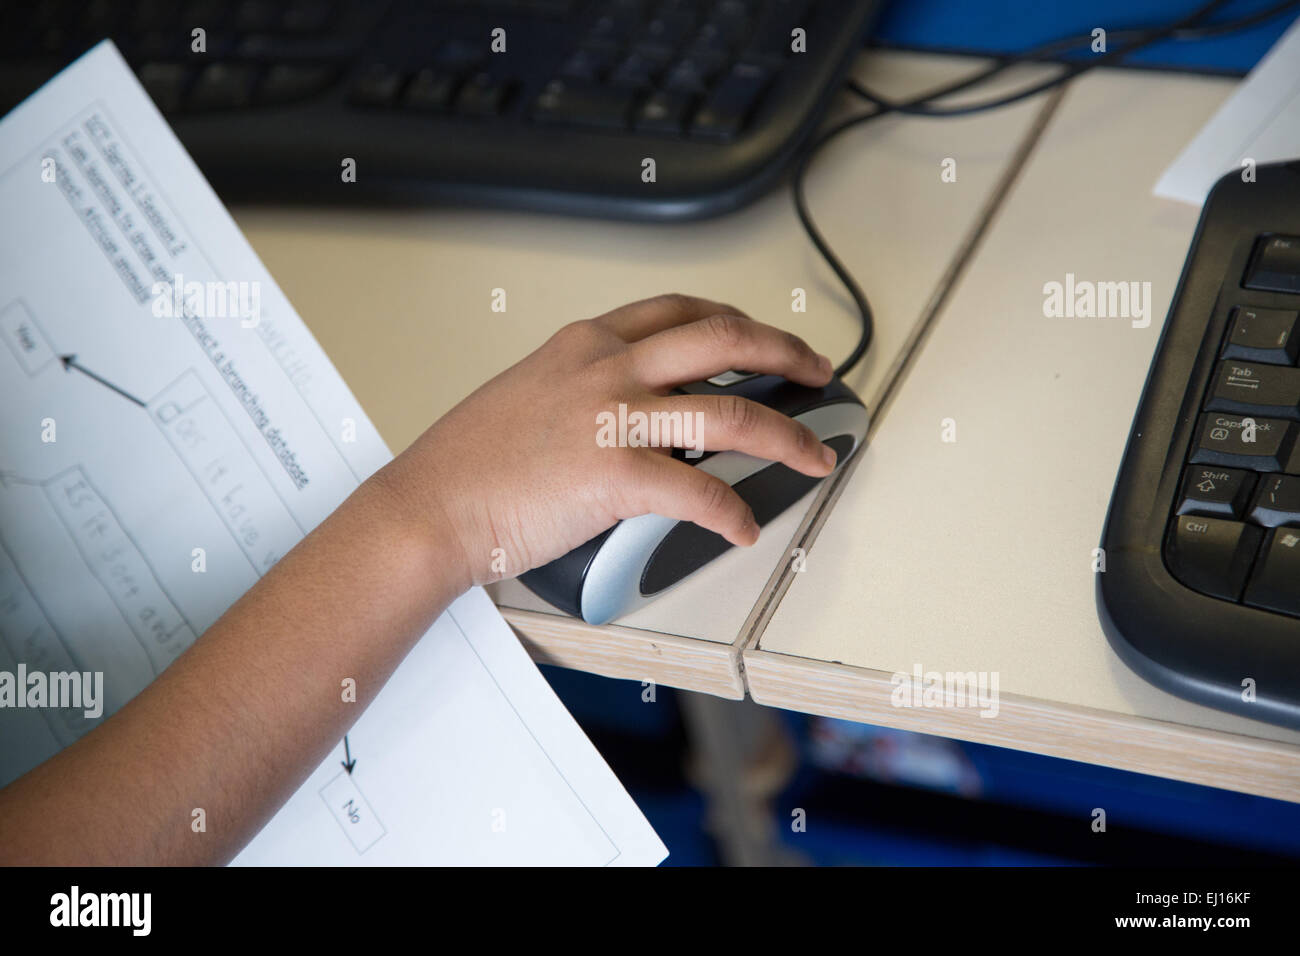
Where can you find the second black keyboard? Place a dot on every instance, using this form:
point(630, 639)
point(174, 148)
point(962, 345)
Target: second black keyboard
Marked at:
point(1201, 590)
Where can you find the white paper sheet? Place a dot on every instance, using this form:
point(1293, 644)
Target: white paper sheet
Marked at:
point(174, 443)
point(1260, 121)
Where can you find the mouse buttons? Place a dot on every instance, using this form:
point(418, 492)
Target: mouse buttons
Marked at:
point(731, 378)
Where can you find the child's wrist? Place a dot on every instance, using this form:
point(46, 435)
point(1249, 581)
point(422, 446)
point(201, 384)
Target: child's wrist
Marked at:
point(416, 522)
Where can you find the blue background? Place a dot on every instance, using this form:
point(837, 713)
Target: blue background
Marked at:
point(1011, 26)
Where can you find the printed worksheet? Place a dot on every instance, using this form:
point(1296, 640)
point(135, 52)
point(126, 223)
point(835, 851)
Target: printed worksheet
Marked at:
point(169, 429)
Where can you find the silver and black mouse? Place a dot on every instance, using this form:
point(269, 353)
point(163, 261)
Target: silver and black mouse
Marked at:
point(640, 558)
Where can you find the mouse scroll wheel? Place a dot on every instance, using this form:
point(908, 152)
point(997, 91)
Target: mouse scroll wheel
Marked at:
point(731, 378)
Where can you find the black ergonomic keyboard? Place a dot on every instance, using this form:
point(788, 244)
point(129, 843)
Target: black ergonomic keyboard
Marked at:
point(563, 118)
point(1201, 588)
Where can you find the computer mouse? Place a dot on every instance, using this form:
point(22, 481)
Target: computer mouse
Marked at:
point(640, 558)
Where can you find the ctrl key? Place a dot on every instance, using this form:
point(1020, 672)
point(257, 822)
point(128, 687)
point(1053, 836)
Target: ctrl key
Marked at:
point(1275, 585)
point(1212, 555)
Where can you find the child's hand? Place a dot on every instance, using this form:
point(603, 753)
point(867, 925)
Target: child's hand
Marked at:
point(517, 465)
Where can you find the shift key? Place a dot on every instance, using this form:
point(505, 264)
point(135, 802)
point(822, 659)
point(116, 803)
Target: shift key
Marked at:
point(1235, 441)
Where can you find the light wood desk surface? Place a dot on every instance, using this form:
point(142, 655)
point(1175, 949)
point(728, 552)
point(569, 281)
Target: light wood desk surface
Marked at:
point(401, 302)
point(976, 555)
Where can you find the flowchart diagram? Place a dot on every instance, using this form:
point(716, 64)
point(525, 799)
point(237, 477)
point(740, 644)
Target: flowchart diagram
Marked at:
point(157, 459)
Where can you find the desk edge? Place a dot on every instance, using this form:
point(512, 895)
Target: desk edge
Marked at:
point(629, 653)
point(1212, 758)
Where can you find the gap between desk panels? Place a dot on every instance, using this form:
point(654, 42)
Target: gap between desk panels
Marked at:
point(806, 535)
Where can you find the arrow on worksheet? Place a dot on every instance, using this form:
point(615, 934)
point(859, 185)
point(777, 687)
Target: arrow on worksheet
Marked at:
point(70, 361)
point(349, 763)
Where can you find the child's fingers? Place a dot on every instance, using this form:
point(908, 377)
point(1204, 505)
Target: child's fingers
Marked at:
point(663, 486)
point(635, 321)
point(732, 423)
point(688, 353)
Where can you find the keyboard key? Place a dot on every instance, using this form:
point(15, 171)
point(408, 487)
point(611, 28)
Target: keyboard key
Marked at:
point(711, 61)
point(256, 16)
point(308, 16)
point(555, 9)
point(276, 48)
point(1215, 492)
point(1252, 388)
point(1212, 555)
point(154, 14)
point(223, 86)
point(286, 82)
point(636, 72)
point(723, 32)
point(688, 75)
point(1277, 502)
point(165, 83)
point(728, 106)
point(376, 85)
point(663, 112)
point(713, 40)
point(459, 55)
point(583, 104)
point(1275, 266)
point(205, 13)
point(483, 95)
point(1221, 440)
point(736, 10)
point(1263, 335)
point(1275, 584)
point(589, 64)
point(168, 44)
point(430, 90)
point(664, 34)
point(613, 28)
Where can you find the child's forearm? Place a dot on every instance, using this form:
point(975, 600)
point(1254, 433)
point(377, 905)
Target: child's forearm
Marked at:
point(239, 720)
point(511, 478)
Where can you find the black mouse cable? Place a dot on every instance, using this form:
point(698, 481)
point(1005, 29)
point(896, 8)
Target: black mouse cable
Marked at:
point(823, 247)
point(923, 105)
point(1141, 37)
point(1186, 28)
point(1133, 38)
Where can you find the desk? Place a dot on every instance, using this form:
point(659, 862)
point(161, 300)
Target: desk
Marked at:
point(972, 568)
point(976, 555)
point(400, 300)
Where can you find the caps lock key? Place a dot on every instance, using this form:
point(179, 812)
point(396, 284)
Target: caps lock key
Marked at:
point(1226, 440)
